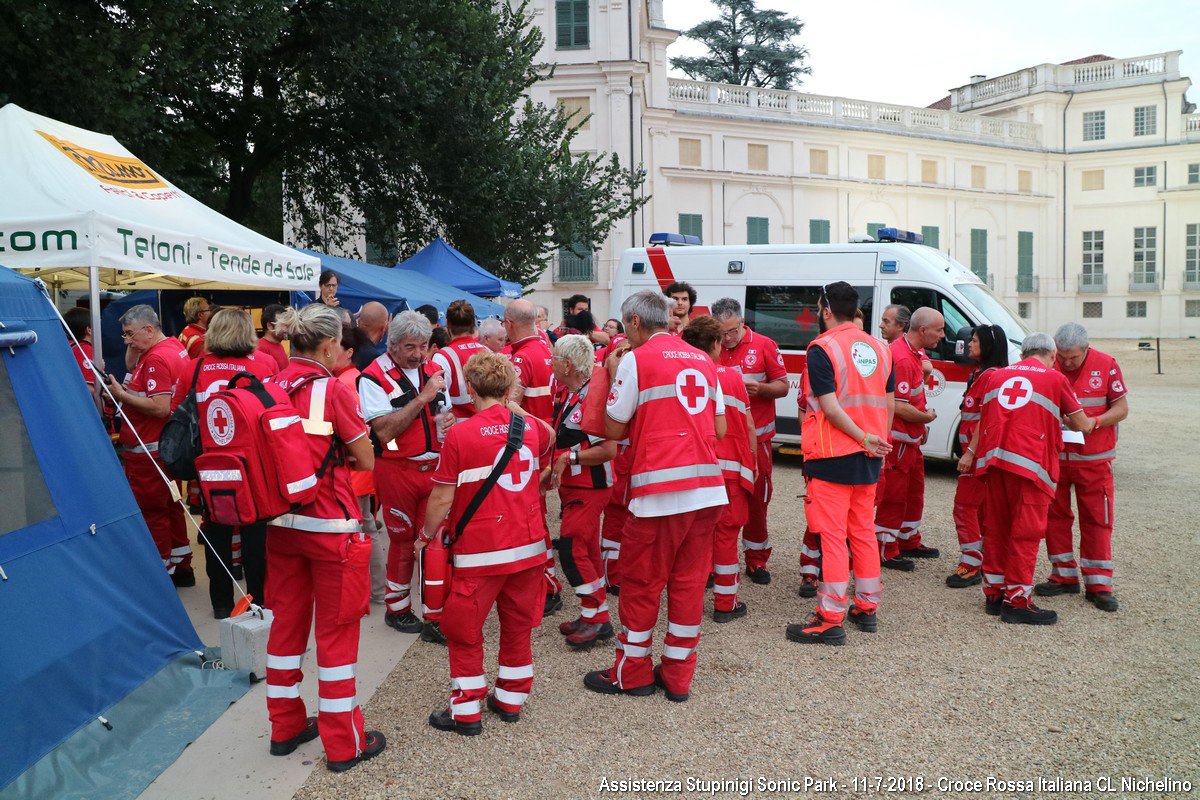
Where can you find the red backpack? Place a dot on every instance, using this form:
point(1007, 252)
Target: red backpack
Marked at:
point(256, 462)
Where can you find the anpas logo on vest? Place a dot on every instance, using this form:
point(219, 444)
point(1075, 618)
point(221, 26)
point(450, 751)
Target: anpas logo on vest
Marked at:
point(116, 170)
point(220, 422)
point(865, 359)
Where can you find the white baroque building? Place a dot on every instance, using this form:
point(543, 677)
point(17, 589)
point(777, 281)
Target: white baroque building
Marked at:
point(1073, 189)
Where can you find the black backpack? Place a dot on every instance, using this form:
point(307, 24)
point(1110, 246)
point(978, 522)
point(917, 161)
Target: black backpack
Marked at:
point(179, 443)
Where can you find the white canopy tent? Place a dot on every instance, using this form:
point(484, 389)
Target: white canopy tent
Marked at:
point(79, 210)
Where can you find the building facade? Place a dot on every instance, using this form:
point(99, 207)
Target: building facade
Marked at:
point(1072, 189)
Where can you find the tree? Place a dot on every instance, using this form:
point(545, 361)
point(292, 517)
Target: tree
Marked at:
point(406, 117)
point(748, 46)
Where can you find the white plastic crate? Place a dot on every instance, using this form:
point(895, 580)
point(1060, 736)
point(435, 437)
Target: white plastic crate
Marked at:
point(244, 642)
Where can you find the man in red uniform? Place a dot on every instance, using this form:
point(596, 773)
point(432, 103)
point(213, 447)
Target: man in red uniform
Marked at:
point(1087, 467)
point(757, 358)
point(460, 322)
point(898, 518)
point(1018, 441)
point(403, 403)
point(79, 322)
point(270, 344)
point(196, 313)
point(849, 386)
point(666, 398)
point(494, 564)
point(147, 399)
point(736, 457)
point(534, 392)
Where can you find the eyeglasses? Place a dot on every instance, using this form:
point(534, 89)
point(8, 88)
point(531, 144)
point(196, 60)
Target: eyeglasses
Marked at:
point(127, 335)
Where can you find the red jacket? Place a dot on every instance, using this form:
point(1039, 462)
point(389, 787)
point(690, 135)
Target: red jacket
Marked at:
point(1020, 430)
point(192, 338)
point(910, 388)
point(972, 407)
point(531, 358)
point(568, 416)
point(155, 374)
point(451, 359)
point(507, 533)
point(215, 372)
point(734, 456)
point(756, 357)
point(1098, 384)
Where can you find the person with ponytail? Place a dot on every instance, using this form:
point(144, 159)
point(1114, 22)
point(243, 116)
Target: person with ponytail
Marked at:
point(318, 558)
point(988, 348)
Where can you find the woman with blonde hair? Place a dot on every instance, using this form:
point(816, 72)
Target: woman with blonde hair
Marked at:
point(318, 559)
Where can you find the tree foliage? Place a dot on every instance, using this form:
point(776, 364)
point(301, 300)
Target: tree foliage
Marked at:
point(410, 117)
point(748, 46)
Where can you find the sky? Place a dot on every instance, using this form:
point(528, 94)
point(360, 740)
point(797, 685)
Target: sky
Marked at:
point(914, 53)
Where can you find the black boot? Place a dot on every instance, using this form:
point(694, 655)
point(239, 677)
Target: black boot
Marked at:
point(443, 720)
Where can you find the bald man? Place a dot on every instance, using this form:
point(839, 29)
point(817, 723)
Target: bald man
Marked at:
point(898, 517)
point(373, 322)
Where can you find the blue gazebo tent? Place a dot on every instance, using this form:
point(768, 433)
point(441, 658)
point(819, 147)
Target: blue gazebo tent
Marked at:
point(441, 261)
point(92, 624)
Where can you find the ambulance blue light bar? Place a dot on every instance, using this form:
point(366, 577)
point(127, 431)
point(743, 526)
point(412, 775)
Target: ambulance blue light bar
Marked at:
point(673, 240)
point(897, 235)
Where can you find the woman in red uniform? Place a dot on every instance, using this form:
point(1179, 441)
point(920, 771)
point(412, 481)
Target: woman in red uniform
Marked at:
point(230, 345)
point(989, 349)
point(317, 557)
point(499, 558)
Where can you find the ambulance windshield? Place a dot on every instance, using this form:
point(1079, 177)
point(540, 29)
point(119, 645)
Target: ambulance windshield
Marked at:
point(996, 312)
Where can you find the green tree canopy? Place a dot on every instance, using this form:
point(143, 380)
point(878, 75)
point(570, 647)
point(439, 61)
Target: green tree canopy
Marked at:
point(411, 117)
point(748, 46)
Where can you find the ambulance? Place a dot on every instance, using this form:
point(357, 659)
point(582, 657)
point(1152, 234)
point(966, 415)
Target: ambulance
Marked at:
point(778, 287)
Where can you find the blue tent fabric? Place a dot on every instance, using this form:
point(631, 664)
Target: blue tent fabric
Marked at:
point(89, 613)
point(441, 261)
point(398, 289)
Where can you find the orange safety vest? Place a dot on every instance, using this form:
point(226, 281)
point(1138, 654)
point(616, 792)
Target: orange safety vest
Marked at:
point(861, 367)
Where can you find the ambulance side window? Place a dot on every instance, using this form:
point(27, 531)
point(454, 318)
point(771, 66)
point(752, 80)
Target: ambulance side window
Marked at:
point(915, 297)
point(788, 314)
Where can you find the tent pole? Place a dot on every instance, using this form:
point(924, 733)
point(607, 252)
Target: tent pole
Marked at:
point(94, 307)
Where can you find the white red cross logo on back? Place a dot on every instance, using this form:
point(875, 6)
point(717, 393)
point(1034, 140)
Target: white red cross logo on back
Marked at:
point(692, 390)
point(1015, 392)
point(520, 469)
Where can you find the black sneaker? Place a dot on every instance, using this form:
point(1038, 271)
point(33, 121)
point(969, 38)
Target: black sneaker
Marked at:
point(222, 613)
point(553, 603)
point(588, 634)
point(865, 620)
point(759, 575)
point(921, 551)
point(403, 621)
point(808, 587)
point(818, 631)
point(899, 564)
point(1027, 615)
point(674, 697)
point(237, 572)
point(1054, 588)
point(613, 590)
point(601, 682)
point(288, 746)
point(965, 576)
point(992, 607)
point(1105, 601)
point(432, 632)
point(373, 747)
point(443, 720)
point(183, 579)
point(737, 612)
point(505, 716)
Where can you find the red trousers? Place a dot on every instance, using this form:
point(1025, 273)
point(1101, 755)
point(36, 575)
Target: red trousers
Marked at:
point(726, 571)
point(1093, 484)
point(519, 598)
point(1016, 522)
point(164, 517)
point(674, 553)
point(755, 540)
point(810, 554)
point(615, 515)
point(579, 549)
point(326, 575)
point(842, 516)
point(403, 488)
point(969, 498)
point(898, 517)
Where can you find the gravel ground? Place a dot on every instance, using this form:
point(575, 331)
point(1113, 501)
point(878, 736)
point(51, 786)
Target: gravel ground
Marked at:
point(941, 692)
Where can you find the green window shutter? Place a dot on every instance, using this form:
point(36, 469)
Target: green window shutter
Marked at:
point(1024, 252)
point(692, 225)
point(873, 228)
point(757, 230)
point(571, 24)
point(932, 234)
point(562, 22)
point(979, 252)
point(818, 231)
